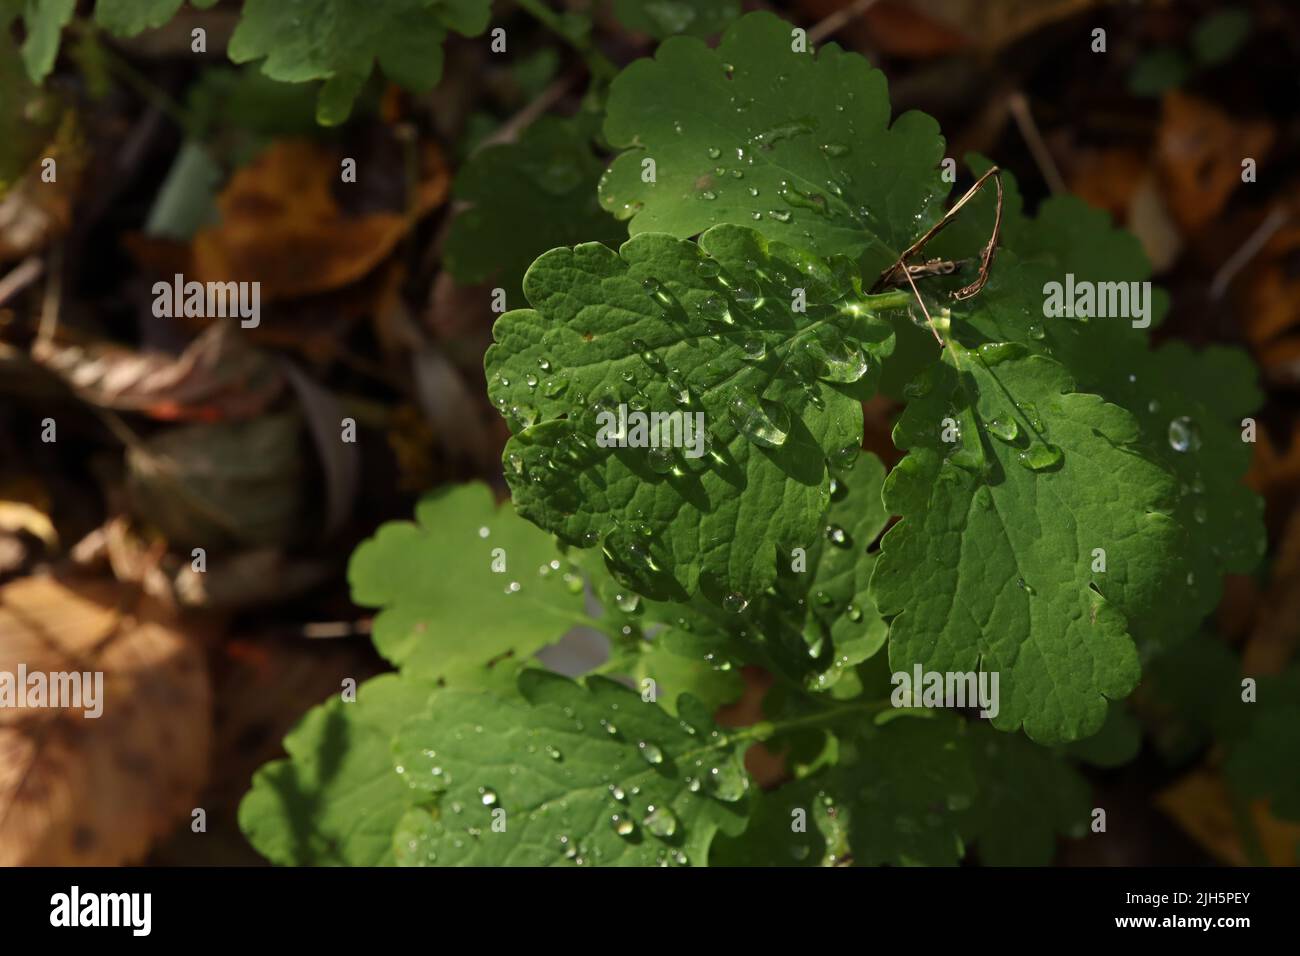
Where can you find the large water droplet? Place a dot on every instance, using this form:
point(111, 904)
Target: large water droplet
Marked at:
point(661, 460)
point(729, 782)
point(622, 825)
point(488, 795)
point(761, 421)
point(1184, 435)
point(656, 290)
point(754, 348)
point(840, 361)
point(1004, 428)
point(650, 752)
point(735, 602)
point(1040, 456)
point(660, 821)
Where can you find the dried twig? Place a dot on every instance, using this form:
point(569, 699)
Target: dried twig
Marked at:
point(901, 270)
point(1275, 220)
point(838, 19)
point(20, 277)
point(1019, 107)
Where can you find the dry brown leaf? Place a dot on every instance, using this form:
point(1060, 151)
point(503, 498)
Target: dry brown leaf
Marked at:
point(25, 506)
point(1277, 631)
point(1199, 151)
point(99, 792)
point(1200, 804)
point(218, 377)
point(1272, 294)
point(34, 213)
point(281, 225)
point(222, 485)
point(931, 28)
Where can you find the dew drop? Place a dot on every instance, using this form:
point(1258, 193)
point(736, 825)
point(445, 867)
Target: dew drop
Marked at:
point(1005, 429)
point(1184, 436)
point(660, 821)
point(763, 422)
point(650, 752)
point(1040, 457)
point(661, 460)
point(489, 796)
point(622, 825)
point(735, 602)
point(754, 348)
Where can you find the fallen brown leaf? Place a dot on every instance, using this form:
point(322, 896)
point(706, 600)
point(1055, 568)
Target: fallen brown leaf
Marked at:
point(1201, 805)
point(1199, 151)
point(281, 224)
point(218, 377)
point(99, 792)
point(34, 213)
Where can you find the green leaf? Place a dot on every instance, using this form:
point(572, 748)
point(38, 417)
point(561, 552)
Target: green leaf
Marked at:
point(527, 197)
point(906, 781)
point(796, 144)
point(1262, 764)
point(1219, 35)
point(337, 799)
point(771, 838)
point(1191, 693)
point(44, 21)
point(711, 333)
point(445, 612)
point(1114, 745)
point(126, 18)
point(339, 41)
point(1026, 796)
point(676, 674)
point(1192, 432)
point(1158, 71)
point(895, 797)
point(663, 18)
point(991, 567)
point(583, 775)
point(834, 593)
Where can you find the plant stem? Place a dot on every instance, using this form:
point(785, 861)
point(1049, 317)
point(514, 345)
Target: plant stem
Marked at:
point(880, 302)
point(600, 66)
point(767, 729)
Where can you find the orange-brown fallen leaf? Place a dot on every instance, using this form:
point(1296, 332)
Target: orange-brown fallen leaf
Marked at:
point(1271, 306)
point(34, 213)
point(281, 224)
point(1199, 152)
point(1201, 805)
point(99, 791)
point(218, 377)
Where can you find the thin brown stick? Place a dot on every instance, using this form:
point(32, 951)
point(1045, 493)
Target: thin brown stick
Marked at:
point(1020, 112)
point(900, 268)
point(1275, 220)
point(838, 19)
point(20, 277)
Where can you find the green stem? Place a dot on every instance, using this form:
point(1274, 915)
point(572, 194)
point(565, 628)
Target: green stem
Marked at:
point(879, 303)
point(601, 67)
point(767, 729)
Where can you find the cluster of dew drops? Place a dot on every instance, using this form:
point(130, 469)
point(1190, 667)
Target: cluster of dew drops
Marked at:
point(628, 811)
